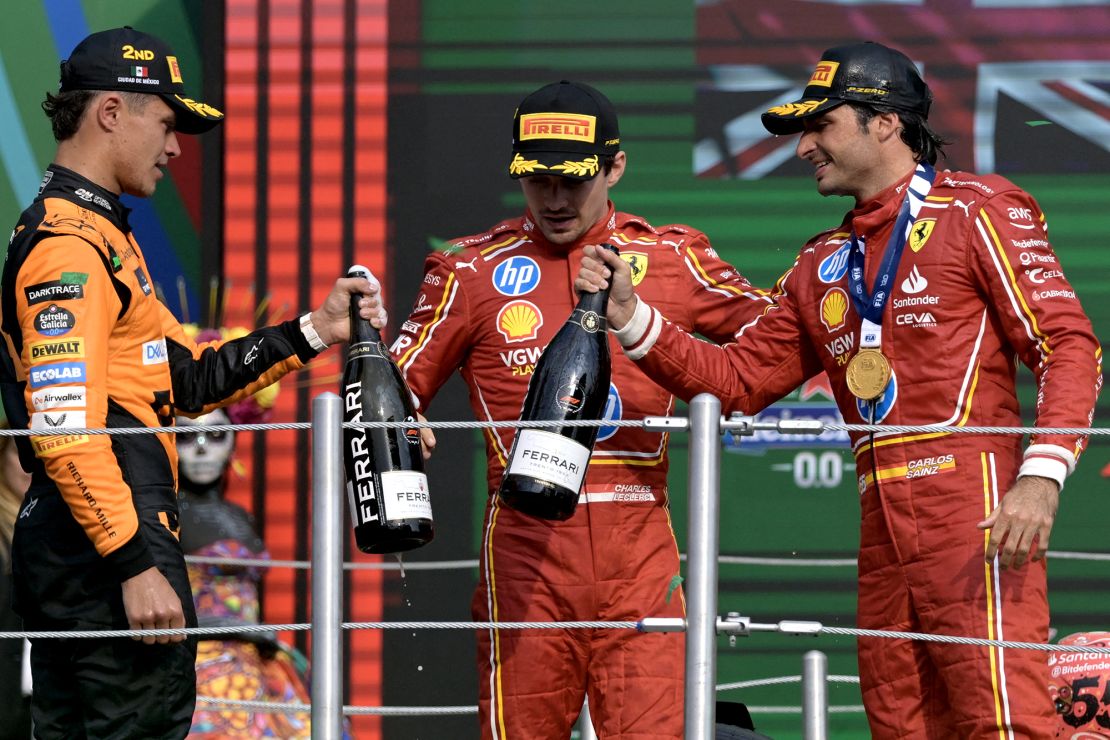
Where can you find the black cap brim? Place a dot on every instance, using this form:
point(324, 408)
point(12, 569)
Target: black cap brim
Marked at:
point(783, 120)
point(193, 117)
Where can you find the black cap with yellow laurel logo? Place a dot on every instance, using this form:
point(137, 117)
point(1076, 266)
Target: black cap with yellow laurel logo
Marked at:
point(563, 129)
point(126, 60)
point(863, 73)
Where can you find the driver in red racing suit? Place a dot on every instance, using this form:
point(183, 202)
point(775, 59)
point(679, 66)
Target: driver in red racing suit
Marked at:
point(977, 287)
point(488, 306)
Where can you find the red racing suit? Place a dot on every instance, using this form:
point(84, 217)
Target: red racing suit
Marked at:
point(489, 305)
point(978, 285)
point(88, 345)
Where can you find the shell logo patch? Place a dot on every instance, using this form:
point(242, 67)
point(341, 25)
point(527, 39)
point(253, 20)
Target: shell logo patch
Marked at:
point(834, 306)
point(519, 321)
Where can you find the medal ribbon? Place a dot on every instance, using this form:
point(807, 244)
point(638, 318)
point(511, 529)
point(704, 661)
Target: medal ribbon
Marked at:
point(868, 304)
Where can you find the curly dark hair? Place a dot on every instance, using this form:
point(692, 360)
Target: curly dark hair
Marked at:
point(925, 143)
point(66, 109)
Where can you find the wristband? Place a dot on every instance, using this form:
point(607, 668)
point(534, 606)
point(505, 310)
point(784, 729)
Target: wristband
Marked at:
point(309, 332)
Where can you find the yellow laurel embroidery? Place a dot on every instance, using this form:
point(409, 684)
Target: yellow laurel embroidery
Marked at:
point(521, 166)
point(202, 108)
point(796, 109)
point(587, 167)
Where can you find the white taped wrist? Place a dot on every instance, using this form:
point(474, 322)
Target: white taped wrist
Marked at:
point(309, 332)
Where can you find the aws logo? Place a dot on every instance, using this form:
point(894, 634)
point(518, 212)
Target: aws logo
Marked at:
point(519, 321)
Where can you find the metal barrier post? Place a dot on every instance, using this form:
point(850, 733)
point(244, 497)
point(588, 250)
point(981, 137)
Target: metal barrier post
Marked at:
point(327, 567)
point(701, 547)
point(815, 696)
point(585, 724)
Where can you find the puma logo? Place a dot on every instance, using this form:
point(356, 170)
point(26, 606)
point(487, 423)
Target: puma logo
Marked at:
point(470, 264)
point(960, 204)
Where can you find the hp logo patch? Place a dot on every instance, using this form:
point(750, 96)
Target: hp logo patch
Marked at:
point(613, 409)
point(834, 267)
point(516, 276)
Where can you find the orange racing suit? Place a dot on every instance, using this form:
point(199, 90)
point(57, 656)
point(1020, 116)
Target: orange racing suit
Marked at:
point(88, 345)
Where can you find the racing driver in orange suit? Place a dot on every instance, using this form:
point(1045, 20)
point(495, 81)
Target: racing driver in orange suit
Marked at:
point(87, 344)
point(488, 305)
point(977, 286)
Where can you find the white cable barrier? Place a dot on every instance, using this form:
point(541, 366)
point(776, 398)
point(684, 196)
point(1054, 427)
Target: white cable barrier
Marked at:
point(701, 625)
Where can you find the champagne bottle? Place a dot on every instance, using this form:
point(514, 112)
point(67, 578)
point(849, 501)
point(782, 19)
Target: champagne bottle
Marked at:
point(571, 381)
point(386, 485)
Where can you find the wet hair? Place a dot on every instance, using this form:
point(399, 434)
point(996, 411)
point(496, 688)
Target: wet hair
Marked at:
point(66, 109)
point(916, 133)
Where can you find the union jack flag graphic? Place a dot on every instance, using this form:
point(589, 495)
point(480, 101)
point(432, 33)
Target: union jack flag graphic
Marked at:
point(1019, 85)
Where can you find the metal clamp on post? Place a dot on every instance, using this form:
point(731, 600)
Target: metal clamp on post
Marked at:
point(666, 423)
point(734, 625)
point(739, 425)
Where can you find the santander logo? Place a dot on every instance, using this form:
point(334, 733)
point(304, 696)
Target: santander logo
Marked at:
point(915, 282)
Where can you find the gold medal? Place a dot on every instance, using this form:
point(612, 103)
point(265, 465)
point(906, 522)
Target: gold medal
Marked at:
point(868, 373)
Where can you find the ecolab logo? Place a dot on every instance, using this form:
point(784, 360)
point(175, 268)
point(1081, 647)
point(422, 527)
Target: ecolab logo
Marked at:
point(60, 372)
point(154, 352)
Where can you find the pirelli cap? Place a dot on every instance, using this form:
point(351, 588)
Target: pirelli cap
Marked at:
point(864, 73)
point(126, 60)
point(565, 129)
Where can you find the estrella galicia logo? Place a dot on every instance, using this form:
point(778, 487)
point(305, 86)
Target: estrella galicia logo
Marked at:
point(834, 267)
point(53, 321)
point(613, 410)
point(517, 275)
point(58, 372)
point(883, 404)
point(54, 290)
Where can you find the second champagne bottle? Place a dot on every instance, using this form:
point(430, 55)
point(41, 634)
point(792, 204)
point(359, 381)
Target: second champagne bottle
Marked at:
point(547, 466)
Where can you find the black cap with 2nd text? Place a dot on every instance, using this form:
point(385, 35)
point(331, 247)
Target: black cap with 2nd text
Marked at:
point(865, 72)
point(126, 60)
point(564, 129)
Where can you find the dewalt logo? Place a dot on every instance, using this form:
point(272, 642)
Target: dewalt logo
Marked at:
point(68, 349)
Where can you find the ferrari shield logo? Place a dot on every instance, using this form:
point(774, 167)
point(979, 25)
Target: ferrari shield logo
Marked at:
point(919, 234)
point(638, 261)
